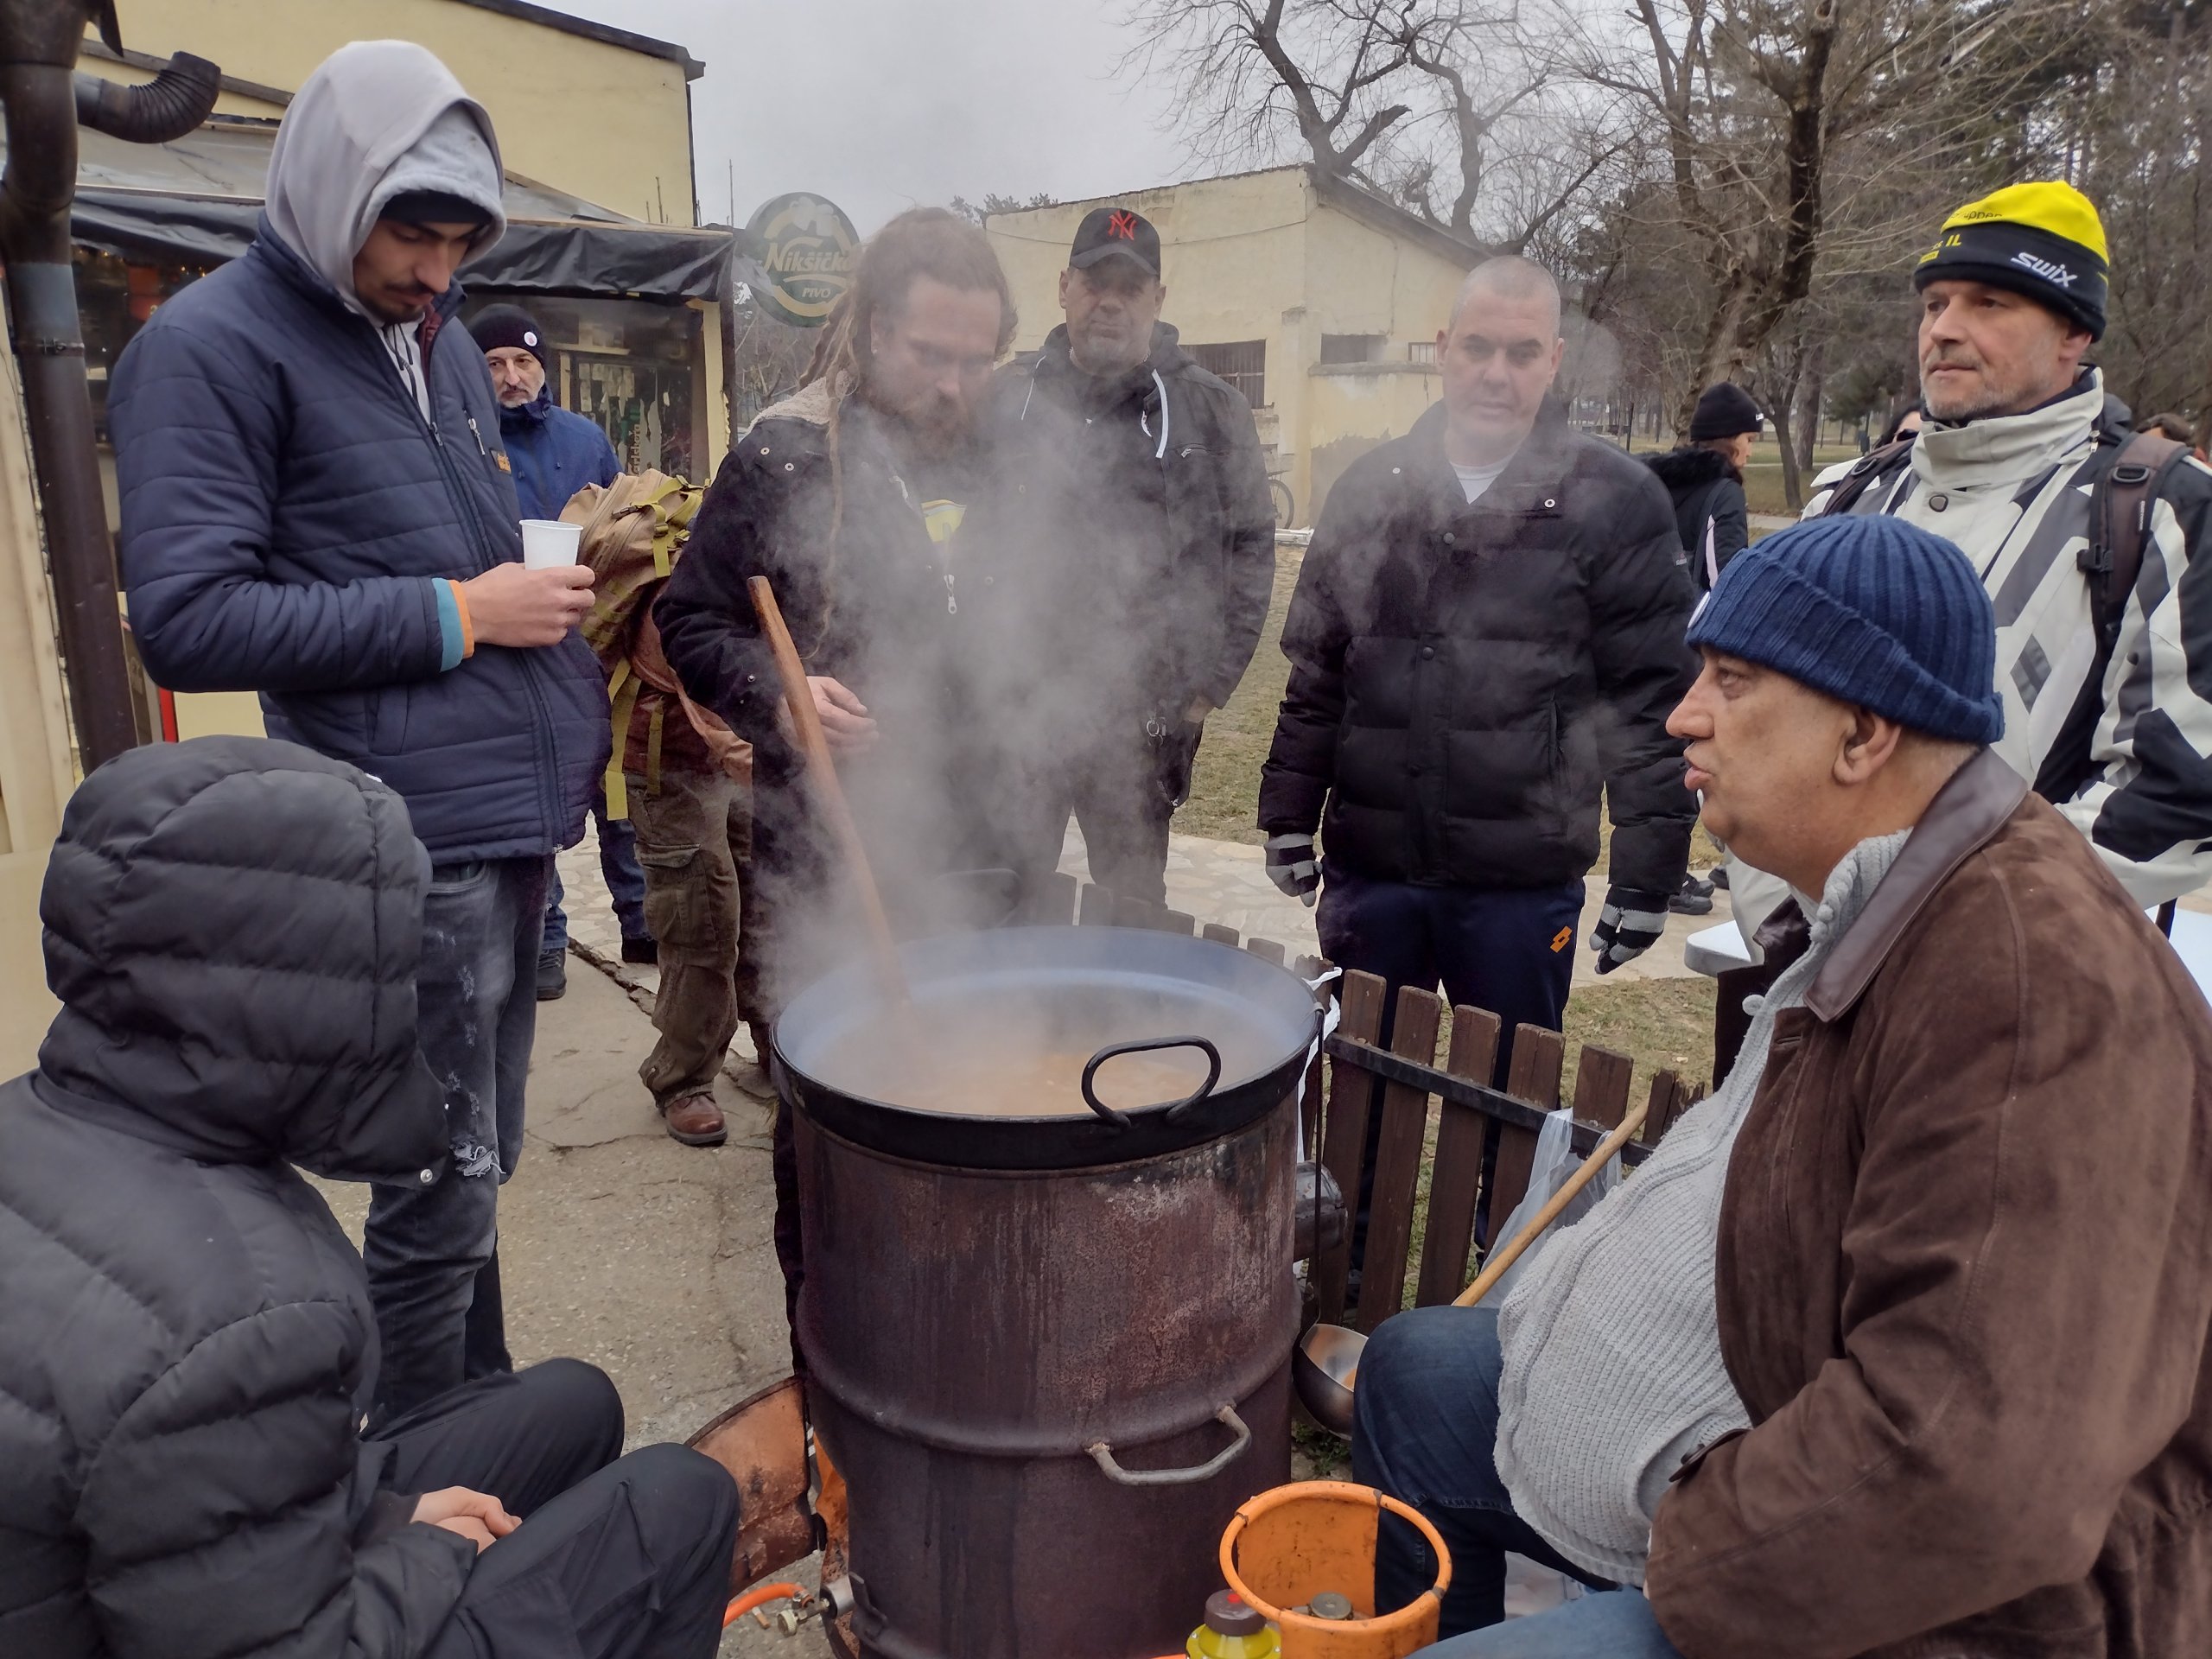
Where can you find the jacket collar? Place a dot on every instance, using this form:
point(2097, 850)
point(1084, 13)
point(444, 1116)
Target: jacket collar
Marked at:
point(1965, 815)
point(2006, 448)
point(1531, 479)
point(523, 416)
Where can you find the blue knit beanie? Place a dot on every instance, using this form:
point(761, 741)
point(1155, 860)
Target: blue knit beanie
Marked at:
point(1873, 611)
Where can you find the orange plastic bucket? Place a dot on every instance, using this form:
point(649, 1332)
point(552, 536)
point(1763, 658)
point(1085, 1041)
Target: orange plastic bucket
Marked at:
point(1287, 1546)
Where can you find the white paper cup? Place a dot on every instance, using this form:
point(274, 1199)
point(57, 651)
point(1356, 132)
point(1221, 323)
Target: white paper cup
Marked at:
point(547, 543)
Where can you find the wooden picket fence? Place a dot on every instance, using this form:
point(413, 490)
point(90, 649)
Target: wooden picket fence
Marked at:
point(1479, 1126)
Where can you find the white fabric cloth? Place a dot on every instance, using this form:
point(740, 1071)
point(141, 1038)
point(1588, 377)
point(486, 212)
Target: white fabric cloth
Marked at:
point(1612, 1368)
point(1474, 481)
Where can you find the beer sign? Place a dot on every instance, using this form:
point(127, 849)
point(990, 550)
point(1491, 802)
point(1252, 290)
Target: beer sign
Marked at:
point(806, 248)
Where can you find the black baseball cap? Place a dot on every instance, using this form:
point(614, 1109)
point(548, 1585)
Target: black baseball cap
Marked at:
point(1107, 231)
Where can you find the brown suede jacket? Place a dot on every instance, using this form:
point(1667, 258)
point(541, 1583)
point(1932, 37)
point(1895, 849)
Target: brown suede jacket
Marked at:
point(1965, 1278)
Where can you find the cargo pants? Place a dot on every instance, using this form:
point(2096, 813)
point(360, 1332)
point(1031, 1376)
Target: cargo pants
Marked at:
point(695, 841)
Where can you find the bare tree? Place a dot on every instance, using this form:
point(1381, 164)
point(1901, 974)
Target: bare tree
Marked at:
point(1761, 109)
point(1420, 100)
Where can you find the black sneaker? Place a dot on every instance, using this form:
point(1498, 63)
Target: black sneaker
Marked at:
point(553, 976)
point(1720, 878)
point(1694, 900)
point(644, 951)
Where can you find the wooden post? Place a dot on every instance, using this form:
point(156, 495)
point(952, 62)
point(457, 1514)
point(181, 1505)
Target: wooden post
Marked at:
point(1455, 1181)
point(1218, 934)
point(1397, 1160)
point(1267, 950)
point(1052, 905)
point(1538, 1055)
point(1601, 1081)
point(1348, 1091)
point(1667, 1099)
point(1094, 907)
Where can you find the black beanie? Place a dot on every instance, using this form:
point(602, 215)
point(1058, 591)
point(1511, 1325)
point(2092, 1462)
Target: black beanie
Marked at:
point(500, 326)
point(1723, 411)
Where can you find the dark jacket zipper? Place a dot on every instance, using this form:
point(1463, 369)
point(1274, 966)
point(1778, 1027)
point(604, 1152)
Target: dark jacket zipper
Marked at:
point(548, 798)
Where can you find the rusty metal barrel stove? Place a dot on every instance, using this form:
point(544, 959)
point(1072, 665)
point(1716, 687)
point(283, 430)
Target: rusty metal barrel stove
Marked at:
point(1049, 1354)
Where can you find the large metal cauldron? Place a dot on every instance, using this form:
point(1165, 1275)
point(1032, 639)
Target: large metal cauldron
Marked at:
point(1051, 1355)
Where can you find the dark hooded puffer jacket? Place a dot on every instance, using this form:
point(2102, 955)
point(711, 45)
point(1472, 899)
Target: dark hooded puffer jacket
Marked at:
point(185, 1343)
point(1709, 494)
point(286, 514)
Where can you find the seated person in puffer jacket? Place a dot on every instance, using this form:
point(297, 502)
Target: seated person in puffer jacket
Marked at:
point(187, 1351)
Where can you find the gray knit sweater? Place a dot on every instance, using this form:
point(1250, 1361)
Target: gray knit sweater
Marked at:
point(1612, 1337)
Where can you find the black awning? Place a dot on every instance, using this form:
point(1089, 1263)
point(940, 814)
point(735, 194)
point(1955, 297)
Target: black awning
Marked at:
point(573, 257)
point(197, 200)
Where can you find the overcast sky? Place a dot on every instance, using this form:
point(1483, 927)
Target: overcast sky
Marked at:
point(881, 104)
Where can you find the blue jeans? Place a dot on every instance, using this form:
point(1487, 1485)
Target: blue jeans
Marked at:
point(1616, 1625)
point(626, 883)
point(1425, 1430)
point(432, 1251)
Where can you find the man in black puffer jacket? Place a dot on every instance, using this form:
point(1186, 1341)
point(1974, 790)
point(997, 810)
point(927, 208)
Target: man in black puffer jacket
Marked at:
point(186, 1345)
point(316, 507)
point(1488, 630)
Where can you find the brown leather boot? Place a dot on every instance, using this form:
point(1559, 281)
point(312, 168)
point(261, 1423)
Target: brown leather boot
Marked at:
point(695, 1121)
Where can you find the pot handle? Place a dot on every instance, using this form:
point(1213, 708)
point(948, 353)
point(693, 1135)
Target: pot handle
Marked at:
point(1103, 1455)
point(1121, 1120)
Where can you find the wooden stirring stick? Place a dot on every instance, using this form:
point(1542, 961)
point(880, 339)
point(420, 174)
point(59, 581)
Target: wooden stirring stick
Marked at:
point(799, 696)
point(1500, 1260)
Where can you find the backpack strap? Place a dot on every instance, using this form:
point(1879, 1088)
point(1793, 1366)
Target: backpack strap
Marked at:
point(1874, 464)
point(2132, 467)
point(2119, 529)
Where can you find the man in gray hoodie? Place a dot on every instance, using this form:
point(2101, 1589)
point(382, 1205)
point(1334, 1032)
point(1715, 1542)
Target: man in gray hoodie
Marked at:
point(316, 507)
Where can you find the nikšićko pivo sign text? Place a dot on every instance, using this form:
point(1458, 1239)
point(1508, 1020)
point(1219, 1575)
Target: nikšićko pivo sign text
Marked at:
point(806, 248)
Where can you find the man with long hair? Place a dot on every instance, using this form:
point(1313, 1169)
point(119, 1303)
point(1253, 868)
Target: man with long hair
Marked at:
point(853, 498)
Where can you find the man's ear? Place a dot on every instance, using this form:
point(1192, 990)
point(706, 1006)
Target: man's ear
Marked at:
point(1064, 275)
point(1870, 743)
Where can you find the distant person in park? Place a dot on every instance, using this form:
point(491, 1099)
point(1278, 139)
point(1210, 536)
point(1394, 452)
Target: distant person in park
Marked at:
point(1141, 482)
point(1486, 636)
point(862, 499)
point(2104, 677)
point(555, 453)
point(1822, 1379)
point(233, 927)
point(1705, 478)
point(316, 506)
point(1908, 419)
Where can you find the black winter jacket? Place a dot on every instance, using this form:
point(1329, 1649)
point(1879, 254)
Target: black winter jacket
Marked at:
point(1144, 498)
point(1708, 497)
point(912, 626)
point(186, 1342)
point(1465, 679)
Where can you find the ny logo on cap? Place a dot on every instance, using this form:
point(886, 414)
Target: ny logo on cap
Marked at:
point(1122, 226)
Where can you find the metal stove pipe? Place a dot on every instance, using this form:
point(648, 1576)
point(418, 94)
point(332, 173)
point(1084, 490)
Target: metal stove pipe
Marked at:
point(38, 55)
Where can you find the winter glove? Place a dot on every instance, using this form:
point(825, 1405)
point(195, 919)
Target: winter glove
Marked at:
point(1292, 868)
point(1629, 926)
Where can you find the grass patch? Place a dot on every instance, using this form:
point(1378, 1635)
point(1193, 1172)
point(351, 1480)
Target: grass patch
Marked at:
point(1225, 800)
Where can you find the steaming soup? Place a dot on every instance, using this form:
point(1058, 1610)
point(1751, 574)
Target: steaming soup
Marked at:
point(986, 1079)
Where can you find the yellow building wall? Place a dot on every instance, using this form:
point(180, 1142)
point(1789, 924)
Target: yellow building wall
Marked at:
point(36, 772)
point(1361, 280)
point(610, 125)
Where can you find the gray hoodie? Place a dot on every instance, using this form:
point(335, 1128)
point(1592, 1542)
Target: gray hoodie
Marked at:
point(376, 120)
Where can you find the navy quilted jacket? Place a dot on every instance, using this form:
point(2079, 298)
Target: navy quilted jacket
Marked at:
point(285, 509)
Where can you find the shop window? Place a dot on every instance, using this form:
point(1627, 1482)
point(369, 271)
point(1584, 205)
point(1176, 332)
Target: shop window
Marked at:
point(1242, 363)
point(1352, 349)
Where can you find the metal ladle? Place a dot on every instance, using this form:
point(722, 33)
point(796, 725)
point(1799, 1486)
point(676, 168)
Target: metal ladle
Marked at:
point(1326, 1363)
